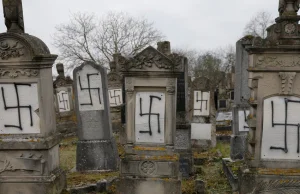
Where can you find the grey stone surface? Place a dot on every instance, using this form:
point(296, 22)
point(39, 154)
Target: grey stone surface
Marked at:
point(96, 155)
point(96, 149)
point(241, 94)
point(29, 156)
point(238, 147)
point(149, 186)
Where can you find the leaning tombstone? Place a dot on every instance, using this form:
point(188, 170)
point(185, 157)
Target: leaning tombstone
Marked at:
point(150, 163)
point(63, 95)
point(241, 108)
point(96, 148)
point(29, 142)
point(201, 104)
point(272, 161)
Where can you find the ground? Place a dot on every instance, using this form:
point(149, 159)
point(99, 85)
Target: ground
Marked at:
point(208, 167)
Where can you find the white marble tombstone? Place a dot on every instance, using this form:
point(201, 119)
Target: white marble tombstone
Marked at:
point(280, 116)
point(201, 103)
point(89, 88)
point(115, 97)
point(63, 101)
point(150, 117)
point(18, 107)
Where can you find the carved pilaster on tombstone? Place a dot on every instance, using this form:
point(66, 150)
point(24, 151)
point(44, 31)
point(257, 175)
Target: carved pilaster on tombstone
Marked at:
point(287, 80)
point(150, 86)
point(29, 142)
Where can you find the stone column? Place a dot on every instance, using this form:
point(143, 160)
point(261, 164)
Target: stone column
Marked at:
point(115, 95)
point(241, 107)
point(29, 142)
point(96, 148)
point(64, 101)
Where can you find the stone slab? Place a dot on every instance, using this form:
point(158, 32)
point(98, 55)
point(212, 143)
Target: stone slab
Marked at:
point(148, 186)
point(96, 155)
point(201, 131)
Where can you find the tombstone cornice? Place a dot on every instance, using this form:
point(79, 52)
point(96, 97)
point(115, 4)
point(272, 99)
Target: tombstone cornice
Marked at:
point(151, 60)
point(23, 49)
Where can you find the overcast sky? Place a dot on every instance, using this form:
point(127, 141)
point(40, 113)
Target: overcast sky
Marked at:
point(195, 24)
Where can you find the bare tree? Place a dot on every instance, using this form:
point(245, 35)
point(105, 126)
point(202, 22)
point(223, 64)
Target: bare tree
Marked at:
point(87, 38)
point(258, 25)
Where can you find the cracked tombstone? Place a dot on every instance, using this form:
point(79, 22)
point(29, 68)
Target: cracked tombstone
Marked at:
point(274, 123)
point(63, 95)
point(150, 163)
point(29, 143)
point(96, 148)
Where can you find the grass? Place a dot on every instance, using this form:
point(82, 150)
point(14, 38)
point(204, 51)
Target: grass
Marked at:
point(211, 171)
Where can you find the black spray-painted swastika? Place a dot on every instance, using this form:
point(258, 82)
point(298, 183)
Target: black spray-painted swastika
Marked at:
point(89, 89)
point(150, 114)
point(18, 106)
point(201, 101)
point(115, 97)
point(285, 124)
point(64, 101)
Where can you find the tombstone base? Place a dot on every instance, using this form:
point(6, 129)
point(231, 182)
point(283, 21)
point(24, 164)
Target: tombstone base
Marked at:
point(54, 183)
point(238, 146)
point(148, 186)
point(269, 181)
point(96, 155)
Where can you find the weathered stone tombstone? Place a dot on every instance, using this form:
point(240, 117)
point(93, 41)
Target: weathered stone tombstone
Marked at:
point(241, 107)
point(29, 143)
point(273, 141)
point(150, 163)
point(64, 101)
point(115, 92)
point(96, 148)
point(203, 130)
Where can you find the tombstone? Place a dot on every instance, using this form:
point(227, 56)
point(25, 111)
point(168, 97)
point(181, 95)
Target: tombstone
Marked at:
point(29, 142)
point(150, 163)
point(240, 110)
point(115, 95)
point(183, 126)
point(96, 148)
point(272, 159)
point(203, 130)
point(64, 104)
